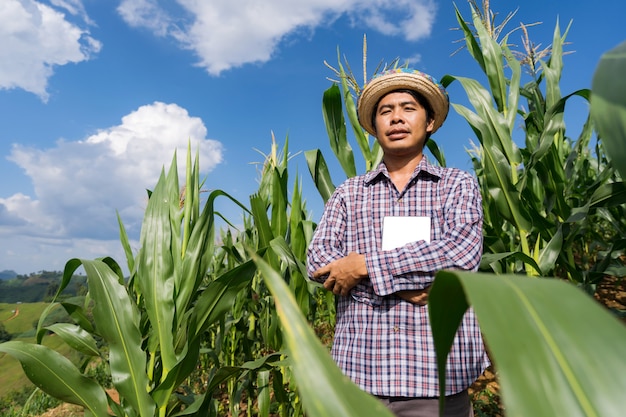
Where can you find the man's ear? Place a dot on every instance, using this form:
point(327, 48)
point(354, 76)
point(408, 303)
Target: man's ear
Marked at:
point(430, 126)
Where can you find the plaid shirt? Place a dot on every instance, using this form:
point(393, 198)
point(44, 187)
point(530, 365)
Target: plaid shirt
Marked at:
point(383, 343)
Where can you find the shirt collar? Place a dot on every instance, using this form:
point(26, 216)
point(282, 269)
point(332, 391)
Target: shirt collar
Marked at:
point(424, 167)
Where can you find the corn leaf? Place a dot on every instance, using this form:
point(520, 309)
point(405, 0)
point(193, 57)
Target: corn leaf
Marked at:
point(77, 313)
point(279, 202)
point(263, 392)
point(68, 272)
point(371, 155)
point(332, 111)
point(117, 320)
point(514, 91)
point(76, 337)
point(549, 341)
point(436, 152)
point(130, 259)
point(218, 297)
point(470, 41)
point(320, 173)
point(57, 376)
point(155, 267)
point(199, 252)
point(261, 220)
point(549, 253)
point(608, 104)
point(325, 391)
point(493, 67)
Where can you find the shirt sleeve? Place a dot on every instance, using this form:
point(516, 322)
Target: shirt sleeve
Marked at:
point(414, 265)
point(327, 243)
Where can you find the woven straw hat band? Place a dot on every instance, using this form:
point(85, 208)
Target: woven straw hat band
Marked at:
point(400, 79)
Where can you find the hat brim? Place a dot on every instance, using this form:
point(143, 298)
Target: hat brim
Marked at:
point(385, 84)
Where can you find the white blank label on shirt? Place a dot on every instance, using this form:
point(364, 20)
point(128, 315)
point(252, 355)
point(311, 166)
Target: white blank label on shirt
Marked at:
point(400, 230)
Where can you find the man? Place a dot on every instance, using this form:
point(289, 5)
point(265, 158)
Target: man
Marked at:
point(382, 272)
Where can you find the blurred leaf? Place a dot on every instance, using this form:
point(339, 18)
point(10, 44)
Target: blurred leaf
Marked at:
point(608, 104)
point(57, 376)
point(325, 391)
point(263, 392)
point(489, 259)
point(557, 351)
point(609, 195)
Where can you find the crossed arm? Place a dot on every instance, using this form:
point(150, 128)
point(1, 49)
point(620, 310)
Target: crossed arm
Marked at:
point(344, 273)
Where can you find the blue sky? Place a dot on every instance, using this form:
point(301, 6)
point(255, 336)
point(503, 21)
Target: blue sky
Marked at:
point(95, 96)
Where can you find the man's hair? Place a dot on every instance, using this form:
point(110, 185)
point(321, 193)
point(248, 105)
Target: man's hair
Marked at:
point(430, 115)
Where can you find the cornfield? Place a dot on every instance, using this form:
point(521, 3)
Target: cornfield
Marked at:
point(216, 321)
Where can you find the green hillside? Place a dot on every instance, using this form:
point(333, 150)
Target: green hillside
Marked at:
point(20, 319)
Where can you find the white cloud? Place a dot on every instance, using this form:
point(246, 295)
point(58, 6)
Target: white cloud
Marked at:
point(226, 34)
point(36, 37)
point(147, 14)
point(73, 7)
point(80, 185)
point(409, 19)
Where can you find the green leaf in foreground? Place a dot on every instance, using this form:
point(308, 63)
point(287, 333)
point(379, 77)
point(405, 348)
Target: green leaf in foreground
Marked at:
point(325, 391)
point(57, 376)
point(608, 104)
point(557, 351)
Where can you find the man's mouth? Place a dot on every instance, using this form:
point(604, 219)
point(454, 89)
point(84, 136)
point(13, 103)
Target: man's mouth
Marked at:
point(397, 133)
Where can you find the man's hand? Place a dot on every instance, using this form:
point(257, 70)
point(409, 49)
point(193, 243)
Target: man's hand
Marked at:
point(419, 297)
point(343, 274)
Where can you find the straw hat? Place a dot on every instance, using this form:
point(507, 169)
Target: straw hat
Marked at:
point(402, 78)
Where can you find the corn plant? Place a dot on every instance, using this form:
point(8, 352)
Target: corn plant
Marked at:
point(549, 206)
point(151, 327)
point(278, 228)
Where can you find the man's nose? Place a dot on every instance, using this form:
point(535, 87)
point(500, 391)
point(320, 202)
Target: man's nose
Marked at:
point(396, 116)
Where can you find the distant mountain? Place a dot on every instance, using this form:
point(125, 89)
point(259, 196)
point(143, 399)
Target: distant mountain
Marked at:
point(6, 274)
point(40, 286)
